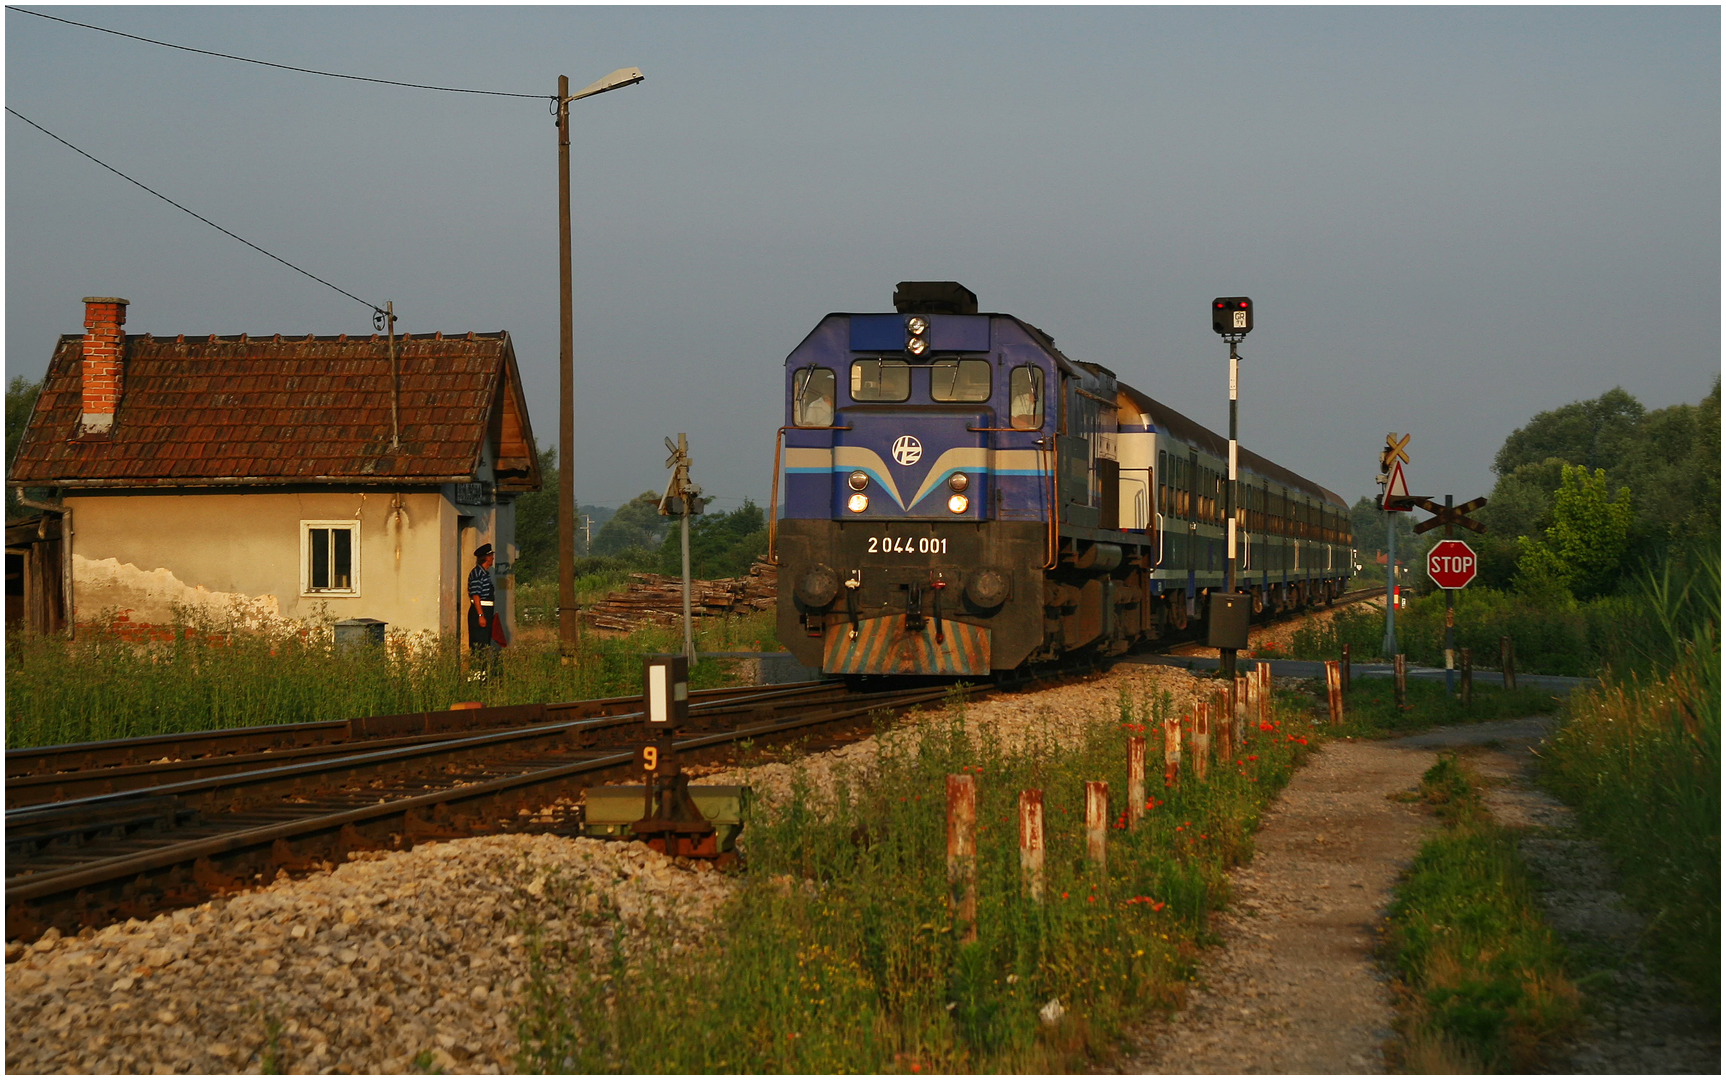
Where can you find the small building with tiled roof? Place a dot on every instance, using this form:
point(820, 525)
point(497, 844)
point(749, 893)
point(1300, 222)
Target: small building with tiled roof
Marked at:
point(278, 478)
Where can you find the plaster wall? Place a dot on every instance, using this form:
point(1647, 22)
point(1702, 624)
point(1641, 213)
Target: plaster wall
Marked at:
point(239, 553)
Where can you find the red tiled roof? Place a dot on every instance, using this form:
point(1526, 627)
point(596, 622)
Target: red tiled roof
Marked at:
point(233, 410)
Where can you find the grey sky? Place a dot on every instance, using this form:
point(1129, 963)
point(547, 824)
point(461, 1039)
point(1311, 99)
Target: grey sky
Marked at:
point(1448, 218)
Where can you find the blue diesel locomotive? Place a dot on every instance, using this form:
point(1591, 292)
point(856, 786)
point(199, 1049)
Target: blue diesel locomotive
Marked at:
point(962, 498)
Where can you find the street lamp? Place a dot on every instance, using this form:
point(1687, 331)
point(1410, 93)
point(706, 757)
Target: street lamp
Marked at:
point(566, 613)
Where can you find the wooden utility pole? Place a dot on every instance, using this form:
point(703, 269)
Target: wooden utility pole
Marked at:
point(566, 612)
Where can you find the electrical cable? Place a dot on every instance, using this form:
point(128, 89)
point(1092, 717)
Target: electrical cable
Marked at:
point(375, 309)
point(267, 63)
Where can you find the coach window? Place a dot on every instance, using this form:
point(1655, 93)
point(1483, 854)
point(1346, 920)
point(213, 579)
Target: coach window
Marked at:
point(959, 380)
point(814, 390)
point(880, 380)
point(1025, 397)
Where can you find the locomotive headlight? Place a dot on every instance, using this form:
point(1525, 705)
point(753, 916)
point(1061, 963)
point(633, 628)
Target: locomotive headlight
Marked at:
point(958, 504)
point(916, 346)
point(958, 481)
point(858, 480)
point(857, 503)
point(916, 324)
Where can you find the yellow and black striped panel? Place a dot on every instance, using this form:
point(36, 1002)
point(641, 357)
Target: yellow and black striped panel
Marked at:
point(883, 647)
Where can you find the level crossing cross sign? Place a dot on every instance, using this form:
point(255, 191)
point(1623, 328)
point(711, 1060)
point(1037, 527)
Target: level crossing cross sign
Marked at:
point(1451, 564)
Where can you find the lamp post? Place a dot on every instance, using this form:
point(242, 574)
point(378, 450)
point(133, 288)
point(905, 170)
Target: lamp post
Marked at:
point(566, 612)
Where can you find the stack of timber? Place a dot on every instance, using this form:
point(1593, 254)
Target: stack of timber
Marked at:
point(658, 599)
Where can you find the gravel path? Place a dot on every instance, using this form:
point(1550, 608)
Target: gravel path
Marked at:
point(1294, 987)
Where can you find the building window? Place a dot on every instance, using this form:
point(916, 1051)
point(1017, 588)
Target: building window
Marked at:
point(330, 557)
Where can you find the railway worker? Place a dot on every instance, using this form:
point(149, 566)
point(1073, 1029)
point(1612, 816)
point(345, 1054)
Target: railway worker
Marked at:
point(484, 634)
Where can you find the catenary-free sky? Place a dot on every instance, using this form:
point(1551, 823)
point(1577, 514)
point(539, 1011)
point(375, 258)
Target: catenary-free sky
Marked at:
point(1448, 218)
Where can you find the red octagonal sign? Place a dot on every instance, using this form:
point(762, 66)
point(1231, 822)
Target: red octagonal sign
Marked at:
point(1451, 564)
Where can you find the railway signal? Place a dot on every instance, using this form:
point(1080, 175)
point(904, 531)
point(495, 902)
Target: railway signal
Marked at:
point(1232, 317)
point(1451, 515)
point(682, 499)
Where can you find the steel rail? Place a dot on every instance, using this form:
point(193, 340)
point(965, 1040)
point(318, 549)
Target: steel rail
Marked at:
point(34, 886)
point(354, 762)
point(33, 760)
point(37, 789)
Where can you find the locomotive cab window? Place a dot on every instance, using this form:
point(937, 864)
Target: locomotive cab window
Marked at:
point(959, 380)
point(813, 390)
point(880, 380)
point(1025, 394)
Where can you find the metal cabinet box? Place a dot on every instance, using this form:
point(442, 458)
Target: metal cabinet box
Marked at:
point(1229, 614)
point(612, 809)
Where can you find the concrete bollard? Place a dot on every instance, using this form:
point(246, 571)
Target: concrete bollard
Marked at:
point(1400, 666)
point(1171, 751)
point(1031, 843)
point(1202, 741)
point(1097, 822)
point(1135, 778)
point(1333, 685)
point(962, 853)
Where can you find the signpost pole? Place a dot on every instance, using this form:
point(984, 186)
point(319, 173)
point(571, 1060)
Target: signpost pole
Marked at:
point(1229, 491)
point(1449, 621)
point(1390, 648)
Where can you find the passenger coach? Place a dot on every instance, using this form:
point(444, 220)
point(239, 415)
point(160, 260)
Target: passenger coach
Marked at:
point(960, 497)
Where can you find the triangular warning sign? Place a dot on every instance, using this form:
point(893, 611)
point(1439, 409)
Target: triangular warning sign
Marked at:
point(1396, 490)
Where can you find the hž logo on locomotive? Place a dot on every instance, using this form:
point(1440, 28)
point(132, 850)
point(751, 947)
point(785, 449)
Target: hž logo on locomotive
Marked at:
point(907, 450)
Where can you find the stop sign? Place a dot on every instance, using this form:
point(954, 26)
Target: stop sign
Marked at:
point(1451, 564)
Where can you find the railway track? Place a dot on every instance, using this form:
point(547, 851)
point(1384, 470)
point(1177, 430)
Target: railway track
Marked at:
point(99, 832)
point(88, 846)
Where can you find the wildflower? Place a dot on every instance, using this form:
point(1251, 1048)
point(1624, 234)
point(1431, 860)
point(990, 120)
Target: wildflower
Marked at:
point(1252, 757)
point(1063, 896)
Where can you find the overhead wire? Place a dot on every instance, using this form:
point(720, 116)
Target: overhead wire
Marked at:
point(374, 308)
point(271, 64)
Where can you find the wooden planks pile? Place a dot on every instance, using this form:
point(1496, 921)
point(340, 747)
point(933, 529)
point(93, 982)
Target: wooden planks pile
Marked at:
point(658, 599)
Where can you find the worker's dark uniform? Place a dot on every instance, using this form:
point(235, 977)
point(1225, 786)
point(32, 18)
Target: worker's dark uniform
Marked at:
point(479, 585)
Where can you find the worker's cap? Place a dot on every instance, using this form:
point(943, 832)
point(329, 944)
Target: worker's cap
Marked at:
point(482, 551)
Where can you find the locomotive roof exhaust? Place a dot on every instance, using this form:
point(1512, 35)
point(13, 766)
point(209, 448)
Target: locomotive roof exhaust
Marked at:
point(934, 298)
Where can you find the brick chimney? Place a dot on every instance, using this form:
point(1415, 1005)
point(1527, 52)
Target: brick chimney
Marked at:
point(104, 362)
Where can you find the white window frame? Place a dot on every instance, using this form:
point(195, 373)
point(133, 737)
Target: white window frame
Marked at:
point(306, 527)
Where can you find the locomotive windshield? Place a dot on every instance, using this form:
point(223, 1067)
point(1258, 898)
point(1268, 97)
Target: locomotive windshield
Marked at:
point(959, 380)
point(880, 380)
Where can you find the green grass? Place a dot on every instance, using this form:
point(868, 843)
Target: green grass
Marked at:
point(1640, 760)
point(838, 954)
point(1487, 989)
point(1370, 708)
point(99, 686)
